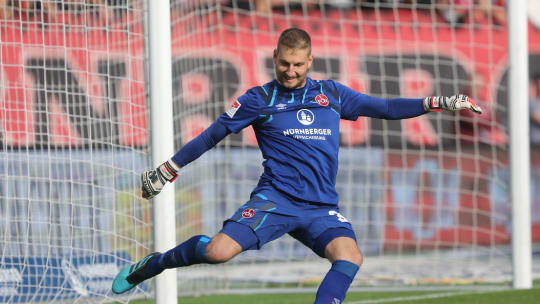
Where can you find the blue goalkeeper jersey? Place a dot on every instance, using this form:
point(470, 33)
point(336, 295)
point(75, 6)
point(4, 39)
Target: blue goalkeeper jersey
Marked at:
point(298, 131)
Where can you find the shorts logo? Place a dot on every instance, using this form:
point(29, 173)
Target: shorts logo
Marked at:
point(248, 213)
point(305, 117)
point(232, 110)
point(340, 217)
point(322, 100)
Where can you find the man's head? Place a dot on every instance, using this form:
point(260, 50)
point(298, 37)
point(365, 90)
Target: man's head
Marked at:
point(292, 58)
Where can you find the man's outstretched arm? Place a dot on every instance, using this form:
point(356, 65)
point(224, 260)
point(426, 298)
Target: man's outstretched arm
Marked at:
point(399, 108)
point(356, 104)
point(153, 181)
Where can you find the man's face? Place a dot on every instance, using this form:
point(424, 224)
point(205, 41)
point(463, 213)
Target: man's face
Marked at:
point(292, 66)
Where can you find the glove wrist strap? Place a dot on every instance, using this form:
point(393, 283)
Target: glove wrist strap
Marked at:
point(169, 171)
point(433, 103)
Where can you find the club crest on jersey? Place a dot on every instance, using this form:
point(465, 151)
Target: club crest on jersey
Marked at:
point(234, 107)
point(322, 100)
point(305, 117)
point(248, 213)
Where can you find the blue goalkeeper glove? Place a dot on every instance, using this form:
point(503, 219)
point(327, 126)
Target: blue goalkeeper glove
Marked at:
point(153, 181)
point(452, 103)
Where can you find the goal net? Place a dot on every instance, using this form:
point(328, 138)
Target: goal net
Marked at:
point(428, 197)
point(73, 145)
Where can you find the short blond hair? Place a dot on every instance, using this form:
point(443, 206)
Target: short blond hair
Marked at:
point(294, 38)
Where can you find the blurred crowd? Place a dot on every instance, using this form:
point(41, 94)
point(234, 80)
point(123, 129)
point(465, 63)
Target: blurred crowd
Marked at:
point(107, 11)
point(455, 12)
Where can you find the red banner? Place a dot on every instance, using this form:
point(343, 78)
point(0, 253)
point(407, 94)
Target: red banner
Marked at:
point(75, 86)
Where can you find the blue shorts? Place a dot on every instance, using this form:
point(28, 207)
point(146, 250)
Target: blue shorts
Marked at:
point(270, 213)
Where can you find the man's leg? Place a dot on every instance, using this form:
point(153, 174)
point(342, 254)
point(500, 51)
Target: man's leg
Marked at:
point(338, 245)
point(346, 259)
point(196, 250)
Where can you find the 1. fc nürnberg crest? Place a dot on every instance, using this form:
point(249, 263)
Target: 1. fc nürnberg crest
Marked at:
point(322, 100)
point(248, 213)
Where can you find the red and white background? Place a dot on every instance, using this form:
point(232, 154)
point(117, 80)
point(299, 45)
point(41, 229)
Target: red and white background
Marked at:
point(61, 89)
point(440, 180)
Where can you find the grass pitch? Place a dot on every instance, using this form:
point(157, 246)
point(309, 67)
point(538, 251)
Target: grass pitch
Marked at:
point(461, 296)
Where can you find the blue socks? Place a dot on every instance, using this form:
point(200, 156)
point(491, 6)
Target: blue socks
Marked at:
point(190, 252)
point(336, 283)
point(193, 251)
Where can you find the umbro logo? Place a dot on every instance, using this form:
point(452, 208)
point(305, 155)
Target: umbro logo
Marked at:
point(281, 106)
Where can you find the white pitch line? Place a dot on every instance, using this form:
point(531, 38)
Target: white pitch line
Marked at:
point(412, 298)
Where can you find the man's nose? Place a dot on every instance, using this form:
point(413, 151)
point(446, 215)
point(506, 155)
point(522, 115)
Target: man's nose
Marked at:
point(290, 72)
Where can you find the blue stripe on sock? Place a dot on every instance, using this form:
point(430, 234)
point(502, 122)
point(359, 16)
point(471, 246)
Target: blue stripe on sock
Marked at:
point(347, 268)
point(200, 250)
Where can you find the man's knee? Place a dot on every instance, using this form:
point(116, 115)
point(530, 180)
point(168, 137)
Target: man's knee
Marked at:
point(221, 249)
point(356, 258)
point(350, 254)
point(344, 248)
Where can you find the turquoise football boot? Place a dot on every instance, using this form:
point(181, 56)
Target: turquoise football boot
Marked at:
point(132, 275)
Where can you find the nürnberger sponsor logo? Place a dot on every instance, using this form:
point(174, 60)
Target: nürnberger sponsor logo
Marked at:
point(308, 131)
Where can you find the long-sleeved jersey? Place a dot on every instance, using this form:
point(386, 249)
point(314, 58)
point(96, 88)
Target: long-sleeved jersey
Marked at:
point(298, 131)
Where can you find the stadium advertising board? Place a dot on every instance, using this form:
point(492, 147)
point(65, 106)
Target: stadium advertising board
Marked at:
point(46, 279)
point(57, 214)
point(424, 209)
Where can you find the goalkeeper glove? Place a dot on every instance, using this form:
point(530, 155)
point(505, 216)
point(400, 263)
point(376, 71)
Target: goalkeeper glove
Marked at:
point(154, 180)
point(452, 103)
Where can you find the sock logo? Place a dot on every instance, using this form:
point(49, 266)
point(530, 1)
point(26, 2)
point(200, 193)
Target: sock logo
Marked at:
point(336, 301)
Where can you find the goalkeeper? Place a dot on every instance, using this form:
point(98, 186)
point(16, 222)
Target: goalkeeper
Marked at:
point(296, 122)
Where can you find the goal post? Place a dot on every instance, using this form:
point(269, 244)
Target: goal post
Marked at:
point(159, 46)
point(520, 162)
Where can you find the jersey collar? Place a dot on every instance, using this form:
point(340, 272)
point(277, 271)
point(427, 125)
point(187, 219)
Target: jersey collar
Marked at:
point(309, 81)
